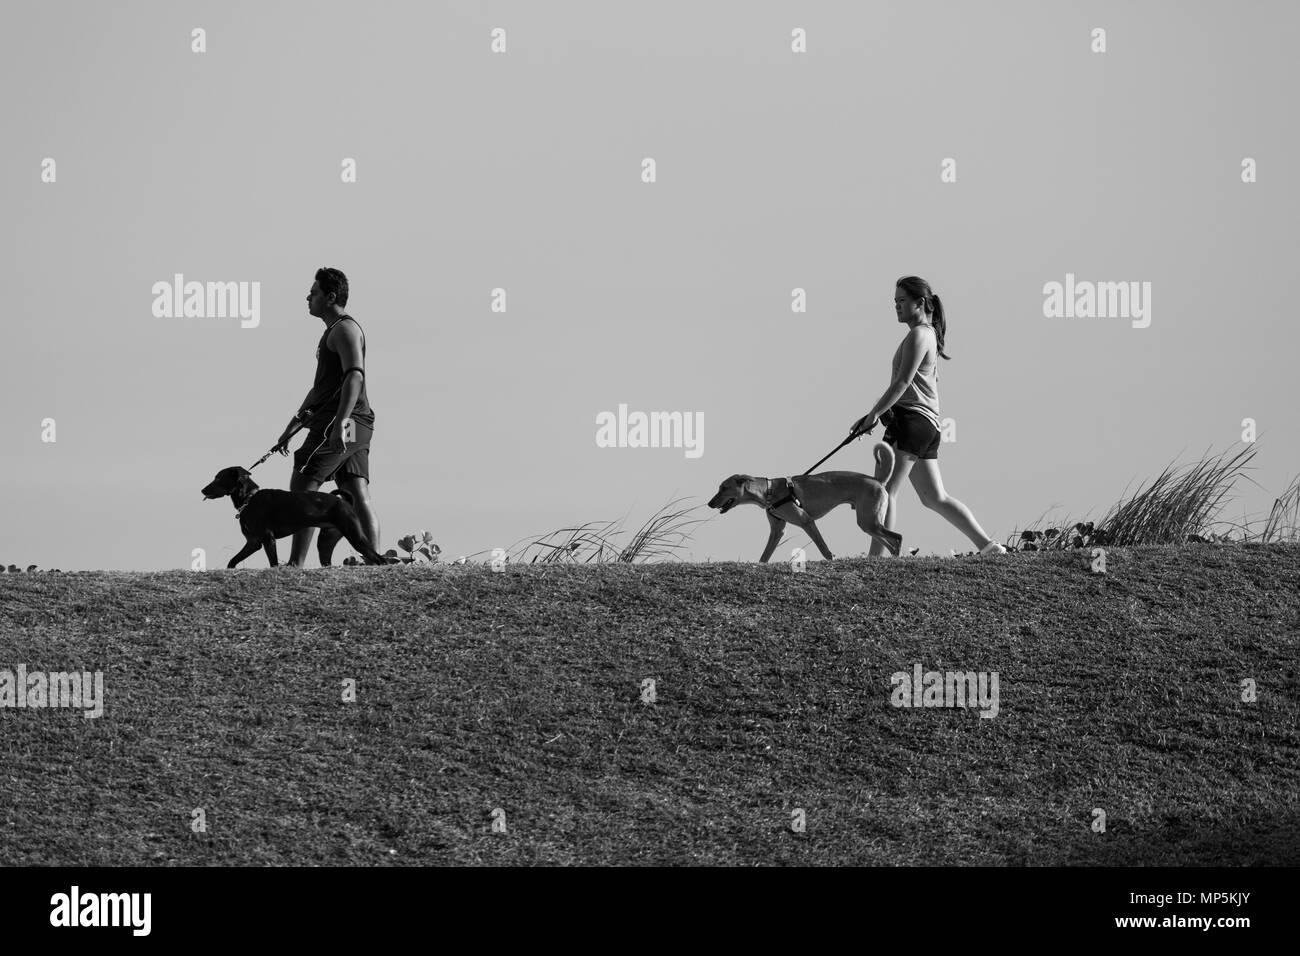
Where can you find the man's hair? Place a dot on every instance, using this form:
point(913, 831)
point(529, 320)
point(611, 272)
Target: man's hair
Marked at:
point(332, 280)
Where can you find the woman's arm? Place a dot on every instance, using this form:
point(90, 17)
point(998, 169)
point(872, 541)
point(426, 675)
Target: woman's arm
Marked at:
point(914, 349)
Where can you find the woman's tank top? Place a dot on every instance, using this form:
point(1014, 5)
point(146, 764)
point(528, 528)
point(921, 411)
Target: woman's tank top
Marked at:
point(922, 393)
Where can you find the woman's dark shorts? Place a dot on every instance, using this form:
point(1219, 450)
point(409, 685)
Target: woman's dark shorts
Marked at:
point(911, 432)
point(323, 456)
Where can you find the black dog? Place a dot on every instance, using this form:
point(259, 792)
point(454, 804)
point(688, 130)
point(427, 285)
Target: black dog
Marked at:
point(269, 513)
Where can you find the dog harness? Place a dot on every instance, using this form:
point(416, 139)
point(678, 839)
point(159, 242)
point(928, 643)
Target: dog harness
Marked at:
point(789, 495)
point(774, 490)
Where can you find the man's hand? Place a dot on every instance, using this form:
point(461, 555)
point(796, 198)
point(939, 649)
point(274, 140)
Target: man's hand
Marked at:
point(282, 443)
point(863, 425)
point(334, 441)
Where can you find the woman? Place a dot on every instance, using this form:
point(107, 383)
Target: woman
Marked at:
point(910, 410)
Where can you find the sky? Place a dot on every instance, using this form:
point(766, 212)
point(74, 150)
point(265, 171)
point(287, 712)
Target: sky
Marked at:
point(523, 170)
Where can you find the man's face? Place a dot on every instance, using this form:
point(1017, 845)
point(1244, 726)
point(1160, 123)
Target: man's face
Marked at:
point(316, 300)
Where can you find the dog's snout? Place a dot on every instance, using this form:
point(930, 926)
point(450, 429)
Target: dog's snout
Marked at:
point(723, 501)
point(729, 493)
point(221, 485)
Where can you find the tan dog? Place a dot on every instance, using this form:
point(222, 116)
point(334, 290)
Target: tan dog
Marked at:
point(814, 496)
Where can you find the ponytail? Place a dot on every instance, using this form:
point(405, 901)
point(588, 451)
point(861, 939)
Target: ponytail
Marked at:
point(940, 324)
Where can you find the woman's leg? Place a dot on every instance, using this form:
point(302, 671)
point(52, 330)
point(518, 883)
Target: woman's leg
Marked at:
point(903, 462)
point(929, 486)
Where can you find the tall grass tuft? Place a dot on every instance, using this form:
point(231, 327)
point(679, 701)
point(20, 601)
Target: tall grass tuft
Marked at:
point(662, 535)
point(1283, 522)
point(587, 543)
point(1176, 508)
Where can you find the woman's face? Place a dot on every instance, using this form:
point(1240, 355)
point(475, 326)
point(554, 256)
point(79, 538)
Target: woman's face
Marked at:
point(904, 305)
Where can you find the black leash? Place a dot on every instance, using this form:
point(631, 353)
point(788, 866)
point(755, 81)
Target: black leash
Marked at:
point(301, 425)
point(789, 495)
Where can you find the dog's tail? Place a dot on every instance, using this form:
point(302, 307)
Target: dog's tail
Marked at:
point(884, 462)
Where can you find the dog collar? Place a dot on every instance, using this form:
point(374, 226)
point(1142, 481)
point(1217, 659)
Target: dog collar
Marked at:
point(246, 501)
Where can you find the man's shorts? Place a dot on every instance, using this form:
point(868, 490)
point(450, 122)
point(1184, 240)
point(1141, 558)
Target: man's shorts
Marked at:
point(323, 456)
point(910, 431)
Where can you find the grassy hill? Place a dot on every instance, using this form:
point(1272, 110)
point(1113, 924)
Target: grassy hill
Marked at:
point(522, 690)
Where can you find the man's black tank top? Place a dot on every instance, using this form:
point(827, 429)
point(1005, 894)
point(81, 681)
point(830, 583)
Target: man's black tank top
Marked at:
point(325, 390)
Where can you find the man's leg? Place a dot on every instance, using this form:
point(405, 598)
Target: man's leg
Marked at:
point(353, 476)
point(314, 463)
point(359, 489)
point(301, 539)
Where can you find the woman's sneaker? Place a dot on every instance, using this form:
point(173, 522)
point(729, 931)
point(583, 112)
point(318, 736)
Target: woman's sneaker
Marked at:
point(993, 547)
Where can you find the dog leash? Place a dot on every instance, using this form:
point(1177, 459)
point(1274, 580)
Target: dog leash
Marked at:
point(301, 425)
point(789, 495)
point(272, 451)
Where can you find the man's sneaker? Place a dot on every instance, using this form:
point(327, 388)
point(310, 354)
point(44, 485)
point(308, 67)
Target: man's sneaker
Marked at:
point(993, 547)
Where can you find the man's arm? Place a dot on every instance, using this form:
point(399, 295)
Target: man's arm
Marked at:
point(301, 419)
point(282, 443)
point(346, 341)
point(308, 401)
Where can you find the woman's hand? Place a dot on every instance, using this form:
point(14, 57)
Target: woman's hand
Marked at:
point(864, 425)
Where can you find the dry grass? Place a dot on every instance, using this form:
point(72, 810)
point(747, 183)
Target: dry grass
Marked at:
point(1179, 506)
point(662, 535)
point(522, 690)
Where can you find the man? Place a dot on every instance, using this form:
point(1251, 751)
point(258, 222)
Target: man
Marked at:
point(337, 395)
